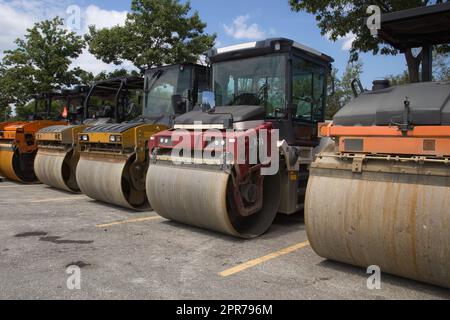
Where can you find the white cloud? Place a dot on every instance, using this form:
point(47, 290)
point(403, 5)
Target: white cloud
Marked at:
point(12, 24)
point(93, 15)
point(241, 29)
point(18, 15)
point(101, 18)
point(347, 41)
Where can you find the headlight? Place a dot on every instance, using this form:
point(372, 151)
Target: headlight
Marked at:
point(84, 137)
point(115, 139)
point(167, 141)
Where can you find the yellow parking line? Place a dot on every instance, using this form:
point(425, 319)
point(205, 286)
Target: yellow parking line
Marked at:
point(116, 223)
point(254, 262)
point(58, 199)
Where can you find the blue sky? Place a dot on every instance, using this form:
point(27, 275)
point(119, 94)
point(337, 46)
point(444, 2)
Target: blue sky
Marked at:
point(274, 18)
point(234, 21)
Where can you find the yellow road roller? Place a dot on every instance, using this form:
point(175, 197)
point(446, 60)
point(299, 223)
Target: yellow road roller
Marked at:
point(386, 171)
point(18, 146)
point(114, 157)
point(211, 171)
point(57, 159)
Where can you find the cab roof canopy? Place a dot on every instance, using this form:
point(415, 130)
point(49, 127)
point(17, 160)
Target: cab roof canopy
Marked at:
point(419, 27)
point(268, 46)
point(115, 84)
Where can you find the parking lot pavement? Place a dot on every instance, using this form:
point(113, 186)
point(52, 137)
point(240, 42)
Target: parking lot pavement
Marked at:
point(127, 255)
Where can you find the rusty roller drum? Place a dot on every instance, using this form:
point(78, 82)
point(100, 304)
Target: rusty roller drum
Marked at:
point(199, 197)
point(109, 180)
point(56, 168)
point(396, 216)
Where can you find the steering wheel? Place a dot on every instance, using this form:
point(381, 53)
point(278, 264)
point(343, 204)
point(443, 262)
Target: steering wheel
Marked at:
point(246, 98)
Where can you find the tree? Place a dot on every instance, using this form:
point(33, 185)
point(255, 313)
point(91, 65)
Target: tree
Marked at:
point(41, 61)
point(441, 71)
point(156, 32)
point(339, 18)
point(441, 68)
point(5, 98)
point(400, 79)
point(115, 74)
point(343, 92)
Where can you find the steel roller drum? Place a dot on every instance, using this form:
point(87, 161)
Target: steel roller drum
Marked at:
point(399, 222)
point(198, 197)
point(53, 168)
point(6, 163)
point(106, 179)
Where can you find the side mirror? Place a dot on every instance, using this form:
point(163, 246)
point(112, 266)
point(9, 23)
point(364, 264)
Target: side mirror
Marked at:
point(208, 100)
point(357, 87)
point(178, 104)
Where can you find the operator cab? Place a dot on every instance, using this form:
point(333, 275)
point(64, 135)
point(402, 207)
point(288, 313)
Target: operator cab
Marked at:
point(287, 80)
point(172, 90)
point(113, 100)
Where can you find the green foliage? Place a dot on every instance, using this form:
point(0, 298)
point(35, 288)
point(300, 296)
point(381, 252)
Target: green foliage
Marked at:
point(41, 62)
point(156, 32)
point(343, 88)
point(396, 80)
point(338, 18)
point(441, 67)
point(24, 111)
point(118, 73)
point(441, 70)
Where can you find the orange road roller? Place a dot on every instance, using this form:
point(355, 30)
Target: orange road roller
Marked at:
point(379, 194)
point(18, 146)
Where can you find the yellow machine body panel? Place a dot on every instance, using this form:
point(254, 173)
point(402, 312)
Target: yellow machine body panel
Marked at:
point(66, 135)
point(133, 137)
point(114, 162)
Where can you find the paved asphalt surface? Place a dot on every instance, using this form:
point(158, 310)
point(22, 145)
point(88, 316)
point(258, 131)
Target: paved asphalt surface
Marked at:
point(127, 255)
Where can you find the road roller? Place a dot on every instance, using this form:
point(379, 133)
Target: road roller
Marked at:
point(114, 157)
point(386, 169)
point(57, 159)
point(18, 146)
point(209, 172)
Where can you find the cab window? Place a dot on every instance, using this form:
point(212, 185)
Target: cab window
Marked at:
point(308, 90)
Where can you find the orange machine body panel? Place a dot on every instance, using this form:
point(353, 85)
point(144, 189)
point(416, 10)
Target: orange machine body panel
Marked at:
point(419, 140)
point(22, 134)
